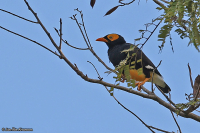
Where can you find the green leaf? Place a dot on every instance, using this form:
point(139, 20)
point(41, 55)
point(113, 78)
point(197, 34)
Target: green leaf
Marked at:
point(182, 33)
point(129, 84)
point(137, 39)
point(127, 73)
point(140, 71)
point(133, 83)
point(141, 31)
point(159, 8)
point(111, 89)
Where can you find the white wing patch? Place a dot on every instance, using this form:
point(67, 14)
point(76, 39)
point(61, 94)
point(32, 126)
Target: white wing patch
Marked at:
point(149, 67)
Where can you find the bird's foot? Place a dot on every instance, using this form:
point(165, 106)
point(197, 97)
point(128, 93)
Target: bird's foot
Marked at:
point(139, 84)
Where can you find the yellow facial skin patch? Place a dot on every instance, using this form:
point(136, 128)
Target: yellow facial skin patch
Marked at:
point(113, 37)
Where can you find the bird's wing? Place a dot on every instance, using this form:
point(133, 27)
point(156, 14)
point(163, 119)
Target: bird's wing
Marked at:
point(146, 62)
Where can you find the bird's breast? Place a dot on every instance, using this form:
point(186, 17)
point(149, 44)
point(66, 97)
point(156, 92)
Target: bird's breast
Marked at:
point(135, 75)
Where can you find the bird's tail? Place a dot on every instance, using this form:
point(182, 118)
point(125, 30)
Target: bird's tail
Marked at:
point(165, 89)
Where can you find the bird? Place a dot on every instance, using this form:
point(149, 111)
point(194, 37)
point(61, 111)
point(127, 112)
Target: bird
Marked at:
point(117, 44)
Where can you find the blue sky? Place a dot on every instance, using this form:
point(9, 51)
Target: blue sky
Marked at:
point(40, 91)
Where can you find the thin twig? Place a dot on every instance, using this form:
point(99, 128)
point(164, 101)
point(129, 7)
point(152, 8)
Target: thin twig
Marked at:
point(30, 40)
point(18, 16)
point(90, 48)
point(83, 24)
point(161, 130)
point(60, 34)
point(170, 38)
point(120, 1)
point(45, 30)
point(176, 122)
point(193, 107)
point(74, 17)
point(151, 34)
point(153, 76)
point(196, 86)
point(166, 97)
point(191, 81)
point(65, 41)
point(96, 70)
point(130, 111)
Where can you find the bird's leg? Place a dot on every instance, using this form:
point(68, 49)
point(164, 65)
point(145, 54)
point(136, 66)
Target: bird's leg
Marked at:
point(141, 83)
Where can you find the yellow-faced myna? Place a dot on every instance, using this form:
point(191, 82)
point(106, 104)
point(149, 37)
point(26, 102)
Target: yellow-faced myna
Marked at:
point(116, 44)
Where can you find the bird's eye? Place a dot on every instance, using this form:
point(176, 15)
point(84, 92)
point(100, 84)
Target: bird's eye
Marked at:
point(113, 37)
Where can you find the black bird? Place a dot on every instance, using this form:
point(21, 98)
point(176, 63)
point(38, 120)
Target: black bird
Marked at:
point(116, 44)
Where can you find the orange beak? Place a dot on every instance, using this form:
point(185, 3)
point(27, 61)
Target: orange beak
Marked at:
point(102, 39)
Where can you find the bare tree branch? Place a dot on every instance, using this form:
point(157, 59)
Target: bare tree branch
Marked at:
point(30, 40)
point(38, 20)
point(121, 103)
point(65, 41)
point(170, 101)
point(74, 17)
point(153, 76)
point(90, 48)
point(196, 89)
point(60, 34)
point(18, 16)
point(96, 70)
point(120, 1)
point(151, 34)
point(149, 127)
point(161, 130)
point(191, 81)
point(176, 122)
point(83, 24)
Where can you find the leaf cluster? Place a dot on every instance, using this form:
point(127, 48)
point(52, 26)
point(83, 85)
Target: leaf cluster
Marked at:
point(184, 106)
point(184, 15)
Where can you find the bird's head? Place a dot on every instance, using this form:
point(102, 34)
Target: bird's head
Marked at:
point(112, 40)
